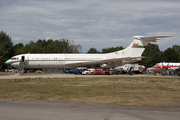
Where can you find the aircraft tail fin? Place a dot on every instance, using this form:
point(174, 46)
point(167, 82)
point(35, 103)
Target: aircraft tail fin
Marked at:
point(136, 48)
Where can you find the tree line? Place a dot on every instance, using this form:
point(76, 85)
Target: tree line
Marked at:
point(152, 52)
point(105, 50)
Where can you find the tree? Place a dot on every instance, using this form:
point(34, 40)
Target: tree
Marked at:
point(74, 48)
point(150, 53)
point(112, 49)
point(2, 52)
point(5, 46)
point(177, 48)
point(157, 57)
point(51, 46)
point(18, 49)
point(92, 50)
point(170, 55)
point(30, 48)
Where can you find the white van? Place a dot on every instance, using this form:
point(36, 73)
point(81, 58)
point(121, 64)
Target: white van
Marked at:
point(86, 72)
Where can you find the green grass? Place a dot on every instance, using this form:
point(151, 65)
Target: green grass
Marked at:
point(141, 91)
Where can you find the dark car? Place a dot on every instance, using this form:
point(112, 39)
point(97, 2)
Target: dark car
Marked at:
point(69, 71)
point(79, 71)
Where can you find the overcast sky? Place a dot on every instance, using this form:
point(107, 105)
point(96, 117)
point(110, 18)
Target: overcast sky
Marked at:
point(91, 23)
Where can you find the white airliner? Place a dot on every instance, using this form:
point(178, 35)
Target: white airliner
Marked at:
point(131, 54)
point(164, 66)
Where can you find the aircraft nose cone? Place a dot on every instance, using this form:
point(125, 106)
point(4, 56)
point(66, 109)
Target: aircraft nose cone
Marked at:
point(7, 62)
point(149, 69)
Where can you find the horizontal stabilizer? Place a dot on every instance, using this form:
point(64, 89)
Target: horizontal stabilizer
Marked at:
point(150, 38)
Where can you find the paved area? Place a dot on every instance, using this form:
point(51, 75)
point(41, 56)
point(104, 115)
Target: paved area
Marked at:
point(54, 76)
point(20, 110)
point(15, 76)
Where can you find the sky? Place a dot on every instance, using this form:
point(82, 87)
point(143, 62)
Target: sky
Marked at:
point(91, 23)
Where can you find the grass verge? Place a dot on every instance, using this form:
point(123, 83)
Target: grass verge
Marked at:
point(140, 91)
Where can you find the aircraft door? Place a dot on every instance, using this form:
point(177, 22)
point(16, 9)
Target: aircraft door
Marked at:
point(22, 58)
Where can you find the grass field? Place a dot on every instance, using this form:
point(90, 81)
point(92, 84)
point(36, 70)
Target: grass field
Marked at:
point(140, 91)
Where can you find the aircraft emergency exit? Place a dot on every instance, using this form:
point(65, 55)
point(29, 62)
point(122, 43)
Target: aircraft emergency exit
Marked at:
point(131, 54)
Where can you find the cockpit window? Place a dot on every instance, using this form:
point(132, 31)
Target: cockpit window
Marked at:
point(157, 64)
point(13, 58)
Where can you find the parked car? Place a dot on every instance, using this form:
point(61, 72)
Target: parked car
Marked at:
point(106, 72)
point(88, 71)
point(96, 72)
point(69, 71)
point(79, 71)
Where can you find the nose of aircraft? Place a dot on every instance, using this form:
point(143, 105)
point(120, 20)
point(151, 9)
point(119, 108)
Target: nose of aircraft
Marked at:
point(7, 62)
point(150, 69)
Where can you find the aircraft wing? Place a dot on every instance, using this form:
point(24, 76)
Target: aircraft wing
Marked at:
point(115, 61)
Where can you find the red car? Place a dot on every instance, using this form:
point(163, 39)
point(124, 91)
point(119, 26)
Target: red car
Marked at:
point(105, 72)
point(102, 72)
point(96, 72)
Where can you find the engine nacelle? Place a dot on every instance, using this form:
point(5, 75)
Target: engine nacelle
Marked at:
point(104, 66)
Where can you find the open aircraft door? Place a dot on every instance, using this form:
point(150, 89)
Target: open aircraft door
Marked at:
point(25, 59)
point(22, 58)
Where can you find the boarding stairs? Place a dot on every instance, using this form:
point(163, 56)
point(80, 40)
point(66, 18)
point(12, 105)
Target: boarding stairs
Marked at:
point(21, 67)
